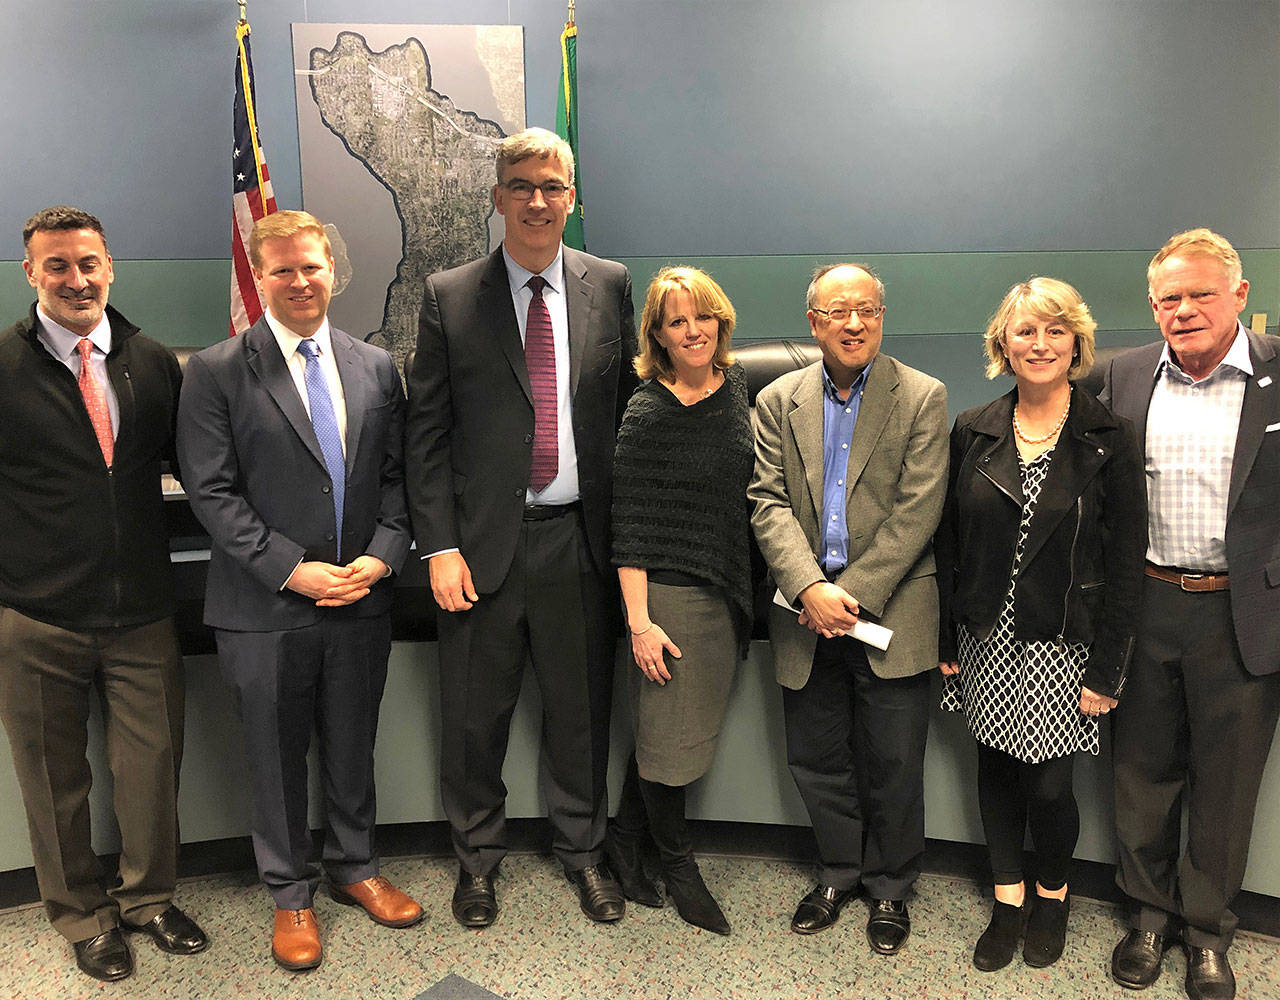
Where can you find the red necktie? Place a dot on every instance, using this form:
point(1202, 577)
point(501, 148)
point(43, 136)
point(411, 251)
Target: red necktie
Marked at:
point(540, 358)
point(95, 401)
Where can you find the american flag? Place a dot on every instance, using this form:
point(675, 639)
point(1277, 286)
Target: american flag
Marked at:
point(252, 197)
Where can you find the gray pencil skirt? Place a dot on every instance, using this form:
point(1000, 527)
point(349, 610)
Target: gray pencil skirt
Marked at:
point(678, 723)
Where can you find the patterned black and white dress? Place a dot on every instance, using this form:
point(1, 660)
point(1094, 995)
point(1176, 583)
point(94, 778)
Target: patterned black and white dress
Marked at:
point(1023, 698)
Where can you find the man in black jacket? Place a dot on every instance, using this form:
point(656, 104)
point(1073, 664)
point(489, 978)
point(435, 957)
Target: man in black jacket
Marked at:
point(87, 411)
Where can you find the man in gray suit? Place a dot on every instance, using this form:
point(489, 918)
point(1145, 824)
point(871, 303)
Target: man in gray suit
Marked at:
point(290, 441)
point(522, 370)
point(851, 468)
point(1203, 694)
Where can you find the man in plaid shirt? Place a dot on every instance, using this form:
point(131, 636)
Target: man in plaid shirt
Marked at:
point(1200, 705)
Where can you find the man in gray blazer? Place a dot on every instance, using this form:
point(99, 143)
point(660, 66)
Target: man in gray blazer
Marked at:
point(290, 439)
point(1202, 698)
point(851, 469)
point(522, 369)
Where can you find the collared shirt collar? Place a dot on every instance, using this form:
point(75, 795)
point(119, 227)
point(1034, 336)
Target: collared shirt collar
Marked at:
point(63, 341)
point(519, 276)
point(829, 387)
point(1237, 357)
point(289, 341)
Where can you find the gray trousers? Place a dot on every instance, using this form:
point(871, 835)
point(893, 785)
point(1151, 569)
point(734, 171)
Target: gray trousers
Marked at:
point(47, 678)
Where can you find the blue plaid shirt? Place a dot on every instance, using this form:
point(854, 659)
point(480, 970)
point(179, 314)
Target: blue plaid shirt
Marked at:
point(839, 417)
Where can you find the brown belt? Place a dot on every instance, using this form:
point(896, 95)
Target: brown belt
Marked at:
point(1194, 582)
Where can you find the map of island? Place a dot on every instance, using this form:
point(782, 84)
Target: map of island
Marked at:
point(435, 159)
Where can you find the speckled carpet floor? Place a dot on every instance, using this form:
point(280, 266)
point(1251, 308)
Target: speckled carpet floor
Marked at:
point(543, 948)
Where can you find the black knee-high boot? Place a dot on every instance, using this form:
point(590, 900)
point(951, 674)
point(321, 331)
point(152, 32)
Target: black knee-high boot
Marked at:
point(665, 806)
point(623, 842)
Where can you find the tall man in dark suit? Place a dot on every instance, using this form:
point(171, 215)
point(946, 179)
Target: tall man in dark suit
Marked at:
point(851, 471)
point(290, 438)
point(522, 368)
point(1203, 695)
point(87, 408)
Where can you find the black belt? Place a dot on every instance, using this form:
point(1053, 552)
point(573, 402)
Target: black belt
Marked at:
point(546, 511)
point(1199, 583)
point(676, 578)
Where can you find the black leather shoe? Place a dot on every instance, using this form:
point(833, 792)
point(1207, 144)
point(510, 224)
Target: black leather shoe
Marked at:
point(474, 902)
point(624, 858)
point(889, 925)
point(1135, 963)
point(1209, 975)
point(105, 957)
point(820, 908)
point(599, 894)
point(174, 932)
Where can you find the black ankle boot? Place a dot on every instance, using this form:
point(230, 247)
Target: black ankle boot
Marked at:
point(693, 901)
point(999, 942)
point(1046, 931)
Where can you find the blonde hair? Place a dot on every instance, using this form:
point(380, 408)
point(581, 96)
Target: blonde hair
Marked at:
point(1198, 243)
point(533, 142)
point(1044, 298)
point(708, 297)
point(284, 225)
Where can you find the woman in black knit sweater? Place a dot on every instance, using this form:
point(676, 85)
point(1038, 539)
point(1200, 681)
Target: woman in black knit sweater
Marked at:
point(680, 528)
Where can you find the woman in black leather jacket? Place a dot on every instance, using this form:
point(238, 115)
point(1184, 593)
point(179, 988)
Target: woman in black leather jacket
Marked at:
point(1040, 556)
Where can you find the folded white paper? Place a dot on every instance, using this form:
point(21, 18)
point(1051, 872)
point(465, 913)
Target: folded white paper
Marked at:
point(868, 632)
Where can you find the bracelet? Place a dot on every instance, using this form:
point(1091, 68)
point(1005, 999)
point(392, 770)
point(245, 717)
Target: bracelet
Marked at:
point(642, 631)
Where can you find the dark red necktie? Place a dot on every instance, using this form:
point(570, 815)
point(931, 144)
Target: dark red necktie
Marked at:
point(540, 358)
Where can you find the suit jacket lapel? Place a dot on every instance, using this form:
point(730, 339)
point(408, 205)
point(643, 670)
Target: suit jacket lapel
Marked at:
point(805, 420)
point(578, 294)
point(499, 314)
point(1257, 411)
point(355, 390)
point(879, 397)
point(266, 361)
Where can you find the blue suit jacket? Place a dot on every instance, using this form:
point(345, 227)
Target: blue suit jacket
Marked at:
point(257, 480)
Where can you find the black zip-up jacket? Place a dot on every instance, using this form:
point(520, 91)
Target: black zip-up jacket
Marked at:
point(1081, 574)
point(83, 546)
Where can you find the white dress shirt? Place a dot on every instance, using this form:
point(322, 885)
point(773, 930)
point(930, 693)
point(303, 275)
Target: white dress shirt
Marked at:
point(564, 488)
point(64, 345)
point(297, 362)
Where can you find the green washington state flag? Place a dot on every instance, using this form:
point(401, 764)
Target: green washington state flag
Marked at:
point(567, 125)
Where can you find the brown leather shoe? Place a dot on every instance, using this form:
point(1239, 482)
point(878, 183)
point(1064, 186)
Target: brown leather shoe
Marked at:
point(384, 903)
point(295, 941)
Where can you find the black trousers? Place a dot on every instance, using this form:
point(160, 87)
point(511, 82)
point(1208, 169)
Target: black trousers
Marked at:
point(549, 609)
point(330, 675)
point(855, 745)
point(1012, 793)
point(1193, 726)
point(48, 676)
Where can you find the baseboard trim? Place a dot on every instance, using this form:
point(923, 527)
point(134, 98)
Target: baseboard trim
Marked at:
point(1092, 879)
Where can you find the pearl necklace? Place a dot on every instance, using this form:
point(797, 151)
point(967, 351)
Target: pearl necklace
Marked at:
point(1022, 435)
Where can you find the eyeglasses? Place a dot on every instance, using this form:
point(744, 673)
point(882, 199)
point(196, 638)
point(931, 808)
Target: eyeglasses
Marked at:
point(841, 314)
point(521, 190)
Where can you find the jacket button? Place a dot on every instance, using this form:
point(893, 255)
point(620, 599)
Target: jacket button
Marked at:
point(328, 538)
point(1101, 452)
point(324, 489)
point(519, 493)
point(528, 438)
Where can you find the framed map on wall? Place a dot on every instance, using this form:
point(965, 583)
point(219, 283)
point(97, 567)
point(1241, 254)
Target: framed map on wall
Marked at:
point(397, 126)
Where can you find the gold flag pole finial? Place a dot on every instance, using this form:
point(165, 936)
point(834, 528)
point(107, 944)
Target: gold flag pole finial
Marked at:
point(243, 19)
point(571, 6)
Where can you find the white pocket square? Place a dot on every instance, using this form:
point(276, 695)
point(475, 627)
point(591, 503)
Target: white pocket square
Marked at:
point(1272, 427)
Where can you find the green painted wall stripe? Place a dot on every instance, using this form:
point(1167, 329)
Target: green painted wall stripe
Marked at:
point(184, 302)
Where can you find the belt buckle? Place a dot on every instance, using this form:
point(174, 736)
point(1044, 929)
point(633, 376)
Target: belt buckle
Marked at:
point(1184, 577)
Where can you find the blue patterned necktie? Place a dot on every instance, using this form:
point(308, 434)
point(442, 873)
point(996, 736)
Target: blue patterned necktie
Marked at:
point(325, 422)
